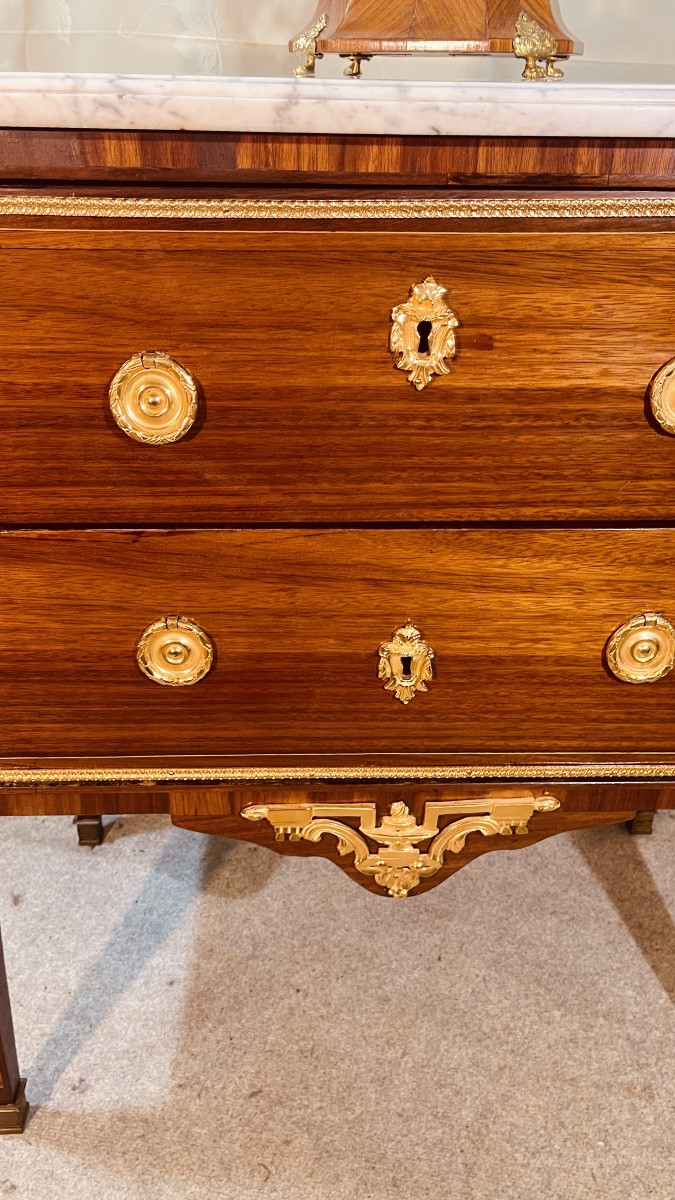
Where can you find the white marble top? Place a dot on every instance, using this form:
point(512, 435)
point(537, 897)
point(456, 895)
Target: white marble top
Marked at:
point(594, 103)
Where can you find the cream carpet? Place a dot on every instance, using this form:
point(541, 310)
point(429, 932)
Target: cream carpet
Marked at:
point(203, 1020)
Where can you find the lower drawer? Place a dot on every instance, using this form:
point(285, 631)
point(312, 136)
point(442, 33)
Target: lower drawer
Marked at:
point(517, 620)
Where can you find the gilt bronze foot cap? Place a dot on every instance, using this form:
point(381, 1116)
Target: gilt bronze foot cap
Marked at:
point(90, 831)
point(642, 823)
point(13, 1116)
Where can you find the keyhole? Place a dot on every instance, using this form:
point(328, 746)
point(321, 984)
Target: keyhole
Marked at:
point(406, 660)
point(424, 330)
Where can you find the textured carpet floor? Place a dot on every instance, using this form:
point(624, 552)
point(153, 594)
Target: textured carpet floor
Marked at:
point(202, 1020)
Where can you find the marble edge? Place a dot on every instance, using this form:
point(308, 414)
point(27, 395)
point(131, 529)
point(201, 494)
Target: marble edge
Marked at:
point(259, 104)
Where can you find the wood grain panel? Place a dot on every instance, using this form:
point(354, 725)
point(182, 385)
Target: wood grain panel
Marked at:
point(188, 803)
point(304, 160)
point(227, 799)
point(518, 620)
point(86, 802)
point(305, 417)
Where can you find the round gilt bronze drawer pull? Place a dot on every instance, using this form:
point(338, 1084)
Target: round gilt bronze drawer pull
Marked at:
point(662, 396)
point(642, 650)
point(153, 399)
point(175, 651)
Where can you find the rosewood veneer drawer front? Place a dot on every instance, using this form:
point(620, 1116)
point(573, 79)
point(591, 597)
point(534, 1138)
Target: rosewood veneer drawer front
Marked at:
point(289, 630)
point(300, 412)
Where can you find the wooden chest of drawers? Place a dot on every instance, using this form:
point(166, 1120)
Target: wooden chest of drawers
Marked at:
point(338, 522)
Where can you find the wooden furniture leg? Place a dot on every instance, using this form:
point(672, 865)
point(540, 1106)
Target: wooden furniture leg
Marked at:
point(90, 830)
point(13, 1103)
point(642, 822)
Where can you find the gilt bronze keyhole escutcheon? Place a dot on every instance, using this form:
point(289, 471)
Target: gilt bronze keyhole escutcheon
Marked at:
point(405, 663)
point(423, 333)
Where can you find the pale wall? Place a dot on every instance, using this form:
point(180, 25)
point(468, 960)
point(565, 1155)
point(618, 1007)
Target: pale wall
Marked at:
point(190, 36)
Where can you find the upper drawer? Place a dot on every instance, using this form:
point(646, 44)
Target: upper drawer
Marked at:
point(303, 415)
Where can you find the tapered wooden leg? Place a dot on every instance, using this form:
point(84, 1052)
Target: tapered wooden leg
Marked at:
point(90, 830)
point(642, 822)
point(13, 1103)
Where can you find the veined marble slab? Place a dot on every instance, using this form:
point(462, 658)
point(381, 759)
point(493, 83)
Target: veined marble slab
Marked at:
point(255, 104)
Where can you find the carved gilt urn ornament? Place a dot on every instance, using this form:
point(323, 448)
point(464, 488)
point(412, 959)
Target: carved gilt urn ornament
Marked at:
point(360, 29)
point(399, 863)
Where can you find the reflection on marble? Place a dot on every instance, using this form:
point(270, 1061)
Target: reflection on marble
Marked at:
point(335, 105)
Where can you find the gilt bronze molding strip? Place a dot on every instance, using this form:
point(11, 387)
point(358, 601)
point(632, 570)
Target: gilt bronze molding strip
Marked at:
point(19, 777)
point(29, 205)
